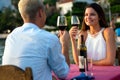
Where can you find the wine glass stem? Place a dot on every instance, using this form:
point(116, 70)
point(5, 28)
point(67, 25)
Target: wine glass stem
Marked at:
point(91, 64)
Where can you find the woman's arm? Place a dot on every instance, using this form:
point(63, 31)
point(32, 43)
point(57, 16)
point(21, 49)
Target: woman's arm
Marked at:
point(75, 44)
point(109, 37)
point(73, 32)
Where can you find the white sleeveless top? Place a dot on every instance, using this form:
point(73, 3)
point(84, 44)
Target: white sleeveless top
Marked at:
point(96, 46)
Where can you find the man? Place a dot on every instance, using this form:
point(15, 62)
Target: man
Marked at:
point(31, 46)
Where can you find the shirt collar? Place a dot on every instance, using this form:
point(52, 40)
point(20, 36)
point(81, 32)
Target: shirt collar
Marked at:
point(32, 25)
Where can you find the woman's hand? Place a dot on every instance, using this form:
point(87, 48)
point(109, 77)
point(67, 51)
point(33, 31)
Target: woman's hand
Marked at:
point(73, 32)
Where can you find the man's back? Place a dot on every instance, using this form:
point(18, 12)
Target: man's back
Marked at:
point(29, 46)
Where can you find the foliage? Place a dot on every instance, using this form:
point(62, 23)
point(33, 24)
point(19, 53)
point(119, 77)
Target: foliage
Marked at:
point(78, 8)
point(114, 2)
point(9, 20)
point(15, 3)
point(115, 6)
point(117, 25)
point(50, 2)
point(52, 20)
point(68, 15)
point(115, 9)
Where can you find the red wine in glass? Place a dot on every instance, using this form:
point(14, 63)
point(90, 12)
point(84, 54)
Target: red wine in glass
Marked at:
point(62, 27)
point(62, 22)
point(75, 25)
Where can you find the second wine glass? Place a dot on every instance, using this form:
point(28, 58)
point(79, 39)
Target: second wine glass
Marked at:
point(75, 22)
point(62, 22)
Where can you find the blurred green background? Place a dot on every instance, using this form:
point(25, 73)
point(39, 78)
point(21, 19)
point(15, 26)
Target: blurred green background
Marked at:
point(10, 18)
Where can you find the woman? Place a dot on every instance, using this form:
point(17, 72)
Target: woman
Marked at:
point(99, 38)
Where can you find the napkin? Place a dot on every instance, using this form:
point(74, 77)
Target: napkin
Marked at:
point(82, 76)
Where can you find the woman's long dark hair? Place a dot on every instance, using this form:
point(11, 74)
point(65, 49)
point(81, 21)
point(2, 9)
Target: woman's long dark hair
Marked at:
point(101, 15)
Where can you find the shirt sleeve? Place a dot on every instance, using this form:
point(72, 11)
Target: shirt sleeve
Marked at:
point(56, 60)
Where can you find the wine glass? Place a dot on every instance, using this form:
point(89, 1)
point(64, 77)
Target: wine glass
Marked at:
point(62, 22)
point(90, 67)
point(75, 22)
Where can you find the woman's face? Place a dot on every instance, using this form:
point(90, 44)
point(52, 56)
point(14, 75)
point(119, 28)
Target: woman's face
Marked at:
point(91, 17)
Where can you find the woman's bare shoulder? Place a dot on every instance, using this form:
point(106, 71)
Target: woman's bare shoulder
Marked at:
point(108, 32)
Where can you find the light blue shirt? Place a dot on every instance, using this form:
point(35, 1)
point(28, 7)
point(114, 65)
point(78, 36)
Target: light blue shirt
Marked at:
point(30, 46)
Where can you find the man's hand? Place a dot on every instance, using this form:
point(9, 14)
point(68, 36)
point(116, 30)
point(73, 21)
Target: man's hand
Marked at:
point(65, 40)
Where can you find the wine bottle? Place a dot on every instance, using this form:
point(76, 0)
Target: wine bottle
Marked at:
point(83, 64)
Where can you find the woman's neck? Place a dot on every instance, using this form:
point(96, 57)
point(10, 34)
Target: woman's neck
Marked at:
point(94, 30)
